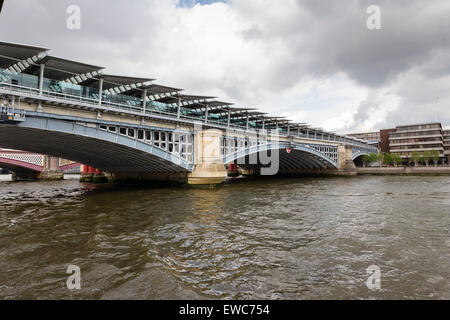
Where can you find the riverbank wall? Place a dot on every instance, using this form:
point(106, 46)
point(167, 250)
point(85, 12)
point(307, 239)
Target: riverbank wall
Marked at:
point(404, 171)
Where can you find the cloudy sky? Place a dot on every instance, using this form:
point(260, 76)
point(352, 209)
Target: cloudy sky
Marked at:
point(313, 61)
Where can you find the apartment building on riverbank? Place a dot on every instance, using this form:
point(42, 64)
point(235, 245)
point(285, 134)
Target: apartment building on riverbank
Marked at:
point(406, 139)
point(420, 137)
point(446, 138)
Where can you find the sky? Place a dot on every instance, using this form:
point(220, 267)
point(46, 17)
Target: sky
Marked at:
point(313, 61)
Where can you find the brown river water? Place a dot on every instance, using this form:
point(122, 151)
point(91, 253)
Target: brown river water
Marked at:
point(269, 239)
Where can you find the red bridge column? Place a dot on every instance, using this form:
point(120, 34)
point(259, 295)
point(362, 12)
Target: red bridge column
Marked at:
point(232, 170)
point(90, 174)
point(99, 177)
point(87, 173)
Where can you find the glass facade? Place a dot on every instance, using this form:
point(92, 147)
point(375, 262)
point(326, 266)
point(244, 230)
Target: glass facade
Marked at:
point(179, 144)
point(19, 79)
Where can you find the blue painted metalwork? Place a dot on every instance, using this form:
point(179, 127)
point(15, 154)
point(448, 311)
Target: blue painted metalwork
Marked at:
point(308, 148)
point(358, 153)
point(74, 126)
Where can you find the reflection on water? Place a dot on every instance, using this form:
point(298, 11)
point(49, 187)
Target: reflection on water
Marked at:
point(272, 239)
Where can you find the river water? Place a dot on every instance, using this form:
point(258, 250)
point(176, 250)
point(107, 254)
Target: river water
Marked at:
point(267, 239)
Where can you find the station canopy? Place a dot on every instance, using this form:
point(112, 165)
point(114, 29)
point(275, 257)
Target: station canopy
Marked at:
point(154, 90)
point(297, 126)
point(213, 106)
point(246, 113)
point(221, 108)
point(268, 120)
point(118, 84)
point(185, 100)
point(12, 53)
point(60, 69)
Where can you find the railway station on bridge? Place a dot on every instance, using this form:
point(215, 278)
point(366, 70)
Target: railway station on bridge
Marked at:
point(132, 127)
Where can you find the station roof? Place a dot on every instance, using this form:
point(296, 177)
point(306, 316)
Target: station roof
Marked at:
point(61, 69)
point(225, 109)
point(113, 82)
point(157, 89)
point(211, 105)
point(250, 113)
point(218, 104)
point(185, 99)
point(153, 90)
point(11, 53)
point(270, 119)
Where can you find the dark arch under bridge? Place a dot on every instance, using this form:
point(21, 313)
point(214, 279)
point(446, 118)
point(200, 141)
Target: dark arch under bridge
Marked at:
point(359, 153)
point(19, 169)
point(84, 142)
point(291, 156)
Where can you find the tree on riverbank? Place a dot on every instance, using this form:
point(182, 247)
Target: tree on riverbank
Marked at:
point(415, 157)
point(435, 155)
point(373, 158)
point(426, 156)
point(365, 160)
point(387, 159)
point(380, 157)
point(396, 159)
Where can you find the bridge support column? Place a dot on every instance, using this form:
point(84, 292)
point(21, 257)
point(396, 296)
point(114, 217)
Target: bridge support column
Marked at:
point(99, 177)
point(346, 166)
point(51, 169)
point(209, 168)
point(92, 175)
point(85, 175)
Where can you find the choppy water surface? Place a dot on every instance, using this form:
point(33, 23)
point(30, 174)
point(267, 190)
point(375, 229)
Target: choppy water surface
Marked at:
point(273, 239)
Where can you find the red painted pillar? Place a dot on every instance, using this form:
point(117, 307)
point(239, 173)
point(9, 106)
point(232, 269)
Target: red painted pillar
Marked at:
point(232, 169)
point(91, 170)
point(84, 169)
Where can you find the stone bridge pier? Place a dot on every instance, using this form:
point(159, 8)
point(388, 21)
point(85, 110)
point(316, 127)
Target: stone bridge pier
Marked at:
point(209, 168)
point(346, 165)
point(51, 169)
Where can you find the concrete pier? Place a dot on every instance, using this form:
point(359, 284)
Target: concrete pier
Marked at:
point(346, 166)
point(209, 168)
point(51, 169)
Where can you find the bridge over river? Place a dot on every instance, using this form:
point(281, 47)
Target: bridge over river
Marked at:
point(28, 165)
point(133, 128)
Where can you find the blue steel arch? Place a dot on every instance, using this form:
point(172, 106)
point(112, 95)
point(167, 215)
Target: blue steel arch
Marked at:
point(359, 153)
point(278, 146)
point(51, 125)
